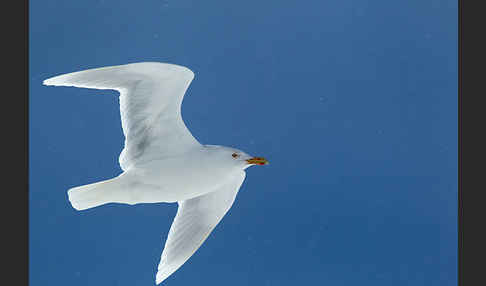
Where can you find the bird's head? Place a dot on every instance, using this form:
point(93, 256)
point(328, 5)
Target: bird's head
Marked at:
point(236, 157)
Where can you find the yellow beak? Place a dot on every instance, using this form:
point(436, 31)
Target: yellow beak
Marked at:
point(257, 161)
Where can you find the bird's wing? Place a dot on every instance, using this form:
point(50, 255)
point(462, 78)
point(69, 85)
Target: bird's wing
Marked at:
point(150, 106)
point(194, 221)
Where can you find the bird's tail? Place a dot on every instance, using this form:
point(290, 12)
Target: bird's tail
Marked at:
point(93, 195)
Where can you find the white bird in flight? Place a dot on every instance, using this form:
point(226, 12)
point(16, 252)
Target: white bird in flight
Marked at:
point(161, 160)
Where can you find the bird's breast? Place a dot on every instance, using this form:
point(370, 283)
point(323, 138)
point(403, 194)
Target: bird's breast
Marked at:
point(182, 179)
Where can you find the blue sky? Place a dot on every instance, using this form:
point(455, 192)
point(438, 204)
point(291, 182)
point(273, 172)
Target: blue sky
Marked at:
point(353, 102)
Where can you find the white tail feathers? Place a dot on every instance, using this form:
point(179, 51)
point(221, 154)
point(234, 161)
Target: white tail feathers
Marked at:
point(92, 195)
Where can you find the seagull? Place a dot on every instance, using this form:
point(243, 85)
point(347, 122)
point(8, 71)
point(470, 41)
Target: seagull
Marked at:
point(161, 160)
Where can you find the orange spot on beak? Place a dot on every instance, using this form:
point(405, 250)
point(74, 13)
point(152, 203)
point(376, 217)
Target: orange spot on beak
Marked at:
point(257, 161)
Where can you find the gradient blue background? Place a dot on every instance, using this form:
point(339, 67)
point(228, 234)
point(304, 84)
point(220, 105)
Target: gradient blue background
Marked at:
point(353, 102)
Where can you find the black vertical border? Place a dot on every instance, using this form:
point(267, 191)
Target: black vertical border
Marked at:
point(14, 110)
point(26, 124)
point(471, 160)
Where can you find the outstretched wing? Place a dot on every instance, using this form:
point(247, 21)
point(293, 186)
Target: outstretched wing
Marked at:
point(194, 221)
point(150, 106)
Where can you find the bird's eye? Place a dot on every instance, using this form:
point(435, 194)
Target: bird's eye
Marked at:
point(235, 155)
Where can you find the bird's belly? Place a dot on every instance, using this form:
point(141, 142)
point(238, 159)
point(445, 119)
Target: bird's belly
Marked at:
point(178, 184)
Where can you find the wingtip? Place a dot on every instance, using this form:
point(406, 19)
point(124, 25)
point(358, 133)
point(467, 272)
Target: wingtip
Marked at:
point(158, 279)
point(49, 82)
point(161, 275)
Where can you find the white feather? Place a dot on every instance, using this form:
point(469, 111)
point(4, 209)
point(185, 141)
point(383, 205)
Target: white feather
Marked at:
point(150, 106)
point(194, 221)
point(162, 161)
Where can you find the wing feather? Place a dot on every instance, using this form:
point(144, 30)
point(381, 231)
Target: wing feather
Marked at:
point(151, 95)
point(194, 221)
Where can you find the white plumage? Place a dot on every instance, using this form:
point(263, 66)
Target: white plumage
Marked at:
point(161, 160)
